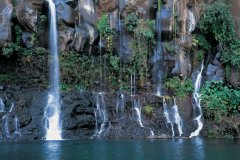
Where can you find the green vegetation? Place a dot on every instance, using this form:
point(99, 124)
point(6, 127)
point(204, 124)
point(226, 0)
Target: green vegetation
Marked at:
point(6, 78)
point(149, 110)
point(219, 100)
point(106, 32)
point(131, 22)
point(178, 87)
point(213, 133)
point(76, 70)
point(202, 46)
point(217, 21)
point(143, 32)
point(15, 47)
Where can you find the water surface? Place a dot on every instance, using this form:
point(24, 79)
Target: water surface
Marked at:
point(175, 149)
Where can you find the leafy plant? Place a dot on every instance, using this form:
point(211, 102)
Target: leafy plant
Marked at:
point(217, 21)
point(149, 110)
point(6, 78)
point(15, 47)
point(220, 100)
point(131, 22)
point(106, 31)
point(178, 87)
point(145, 30)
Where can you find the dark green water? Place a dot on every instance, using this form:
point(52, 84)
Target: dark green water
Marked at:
point(177, 149)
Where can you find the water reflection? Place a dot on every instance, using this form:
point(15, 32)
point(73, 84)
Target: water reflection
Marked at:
point(52, 150)
point(175, 149)
point(198, 149)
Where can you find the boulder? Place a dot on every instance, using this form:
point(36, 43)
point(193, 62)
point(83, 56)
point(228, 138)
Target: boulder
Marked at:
point(183, 65)
point(65, 36)
point(27, 13)
point(123, 46)
point(79, 39)
point(87, 10)
point(215, 70)
point(108, 5)
point(66, 13)
point(235, 77)
point(6, 10)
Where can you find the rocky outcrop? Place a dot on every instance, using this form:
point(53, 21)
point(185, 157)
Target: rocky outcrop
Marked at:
point(78, 112)
point(6, 10)
point(235, 77)
point(215, 71)
point(27, 13)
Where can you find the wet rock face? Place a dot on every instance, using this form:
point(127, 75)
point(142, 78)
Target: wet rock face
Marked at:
point(215, 70)
point(27, 13)
point(88, 11)
point(6, 10)
point(235, 77)
point(123, 48)
point(108, 5)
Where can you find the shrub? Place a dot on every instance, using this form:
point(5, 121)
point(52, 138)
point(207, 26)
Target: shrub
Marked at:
point(106, 31)
point(131, 22)
point(217, 21)
point(178, 87)
point(148, 110)
point(220, 100)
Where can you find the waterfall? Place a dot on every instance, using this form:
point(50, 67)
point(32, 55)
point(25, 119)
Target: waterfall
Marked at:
point(120, 105)
point(157, 56)
point(167, 116)
point(172, 117)
point(177, 118)
point(133, 84)
point(12, 106)
point(2, 106)
point(137, 115)
point(101, 116)
point(192, 21)
point(137, 107)
point(52, 110)
point(197, 103)
point(17, 126)
point(6, 126)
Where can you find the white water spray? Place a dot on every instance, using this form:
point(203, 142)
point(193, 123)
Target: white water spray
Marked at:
point(137, 108)
point(101, 115)
point(17, 126)
point(52, 110)
point(2, 106)
point(172, 117)
point(197, 103)
point(192, 21)
point(6, 126)
point(120, 105)
point(177, 118)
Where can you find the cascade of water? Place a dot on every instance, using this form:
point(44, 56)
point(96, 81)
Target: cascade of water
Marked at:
point(16, 126)
point(197, 103)
point(12, 106)
point(177, 118)
point(167, 116)
point(137, 107)
point(6, 127)
point(192, 21)
point(52, 110)
point(157, 56)
point(165, 111)
point(2, 106)
point(133, 84)
point(172, 117)
point(120, 105)
point(101, 115)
